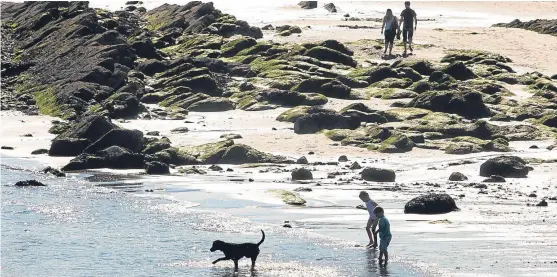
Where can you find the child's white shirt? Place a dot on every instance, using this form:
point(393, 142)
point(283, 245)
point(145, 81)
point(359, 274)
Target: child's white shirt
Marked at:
point(370, 209)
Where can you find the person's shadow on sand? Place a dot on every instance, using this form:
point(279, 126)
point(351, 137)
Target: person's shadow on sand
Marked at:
point(372, 265)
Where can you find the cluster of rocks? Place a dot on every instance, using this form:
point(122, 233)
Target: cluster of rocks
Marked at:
point(542, 26)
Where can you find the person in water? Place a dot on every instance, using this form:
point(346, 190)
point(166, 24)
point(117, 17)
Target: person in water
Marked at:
point(372, 221)
point(408, 16)
point(390, 25)
point(384, 234)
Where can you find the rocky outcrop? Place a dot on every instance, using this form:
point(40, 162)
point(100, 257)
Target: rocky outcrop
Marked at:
point(431, 204)
point(315, 122)
point(227, 152)
point(301, 174)
point(505, 166)
point(378, 174)
point(156, 168)
point(542, 26)
point(465, 103)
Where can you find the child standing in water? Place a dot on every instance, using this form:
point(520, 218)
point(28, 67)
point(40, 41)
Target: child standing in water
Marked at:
point(384, 234)
point(372, 221)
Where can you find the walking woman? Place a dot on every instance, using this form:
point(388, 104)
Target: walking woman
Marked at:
point(390, 25)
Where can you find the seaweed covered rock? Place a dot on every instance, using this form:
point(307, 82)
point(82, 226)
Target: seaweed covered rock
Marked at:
point(325, 86)
point(301, 174)
point(505, 166)
point(378, 174)
point(542, 26)
point(308, 4)
point(331, 55)
point(156, 168)
point(396, 143)
point(212, 104)
point(431, 204)
point(421, 66)
point(468, 103)
point(288, 197)
point(457, 176)
point(459, 71)
point(293, 114)
point(315, 122)
point(241, 154)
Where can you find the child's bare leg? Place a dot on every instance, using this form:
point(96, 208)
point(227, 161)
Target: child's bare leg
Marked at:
point(374, 230)
point(380, 257)
point(386, 256)
point(369, 235)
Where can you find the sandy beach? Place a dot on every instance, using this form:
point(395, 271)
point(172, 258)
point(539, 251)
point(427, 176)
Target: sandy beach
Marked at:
point(498, 230)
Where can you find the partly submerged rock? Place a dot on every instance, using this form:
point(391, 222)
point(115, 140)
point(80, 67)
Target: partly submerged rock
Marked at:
point(156, 168)
point(29, 183)
point(301, 174)
point(290, 198)
point(378, 174)
point(431, 204)
point(505, 166)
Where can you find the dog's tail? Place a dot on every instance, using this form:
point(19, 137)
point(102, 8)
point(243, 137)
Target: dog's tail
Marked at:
point(262, 239)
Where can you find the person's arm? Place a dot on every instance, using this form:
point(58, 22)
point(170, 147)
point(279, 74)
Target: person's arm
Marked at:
point(415, 21)
point(400, 21)
point(380, 226)
point(383, 26)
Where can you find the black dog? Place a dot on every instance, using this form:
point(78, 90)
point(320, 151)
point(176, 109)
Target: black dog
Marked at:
point(234, 251)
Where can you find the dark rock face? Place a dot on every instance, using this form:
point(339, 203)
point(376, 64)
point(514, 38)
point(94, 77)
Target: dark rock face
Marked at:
point(111, 157)
point(467, 104)
point(431, 204)
point(308, 4)
point(151, 67)
point(313, 123)
point(39, 151)
point(302, 160)
point(129, 139)
point(494, 179)
point(331, 55)
point(29, 183)
point(380, 74)
point(343, 158)
point(301, 174)
point(457, 176)
point(378, 174)
point(328, 87)
point(197, 17)
point(53, 171)
point(505, 166)
point(542, 26)
point(68, 147)
point(330, 7)
point(156, 168)
point(459, 71)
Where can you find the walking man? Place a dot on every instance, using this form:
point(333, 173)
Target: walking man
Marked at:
point(408, 16)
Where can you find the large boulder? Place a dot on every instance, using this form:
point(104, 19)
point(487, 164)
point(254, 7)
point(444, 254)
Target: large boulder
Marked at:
point(118, 157)
point(212, 104)
point(68, 147)
point(457, 176)
point(431, 204)
point(288, 197)
point(308, 4)
point(378, 174)
point(381, 73)
point(156, 168)
point(123, 105)
point(313, 123)
point(241, 154)
point(465, 103)
point(459, 71)
point(505, 166)
point(130, 139)
point(301, 174)
point(331, 55)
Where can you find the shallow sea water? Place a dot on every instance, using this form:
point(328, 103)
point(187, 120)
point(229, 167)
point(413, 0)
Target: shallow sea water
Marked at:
point(74, 227)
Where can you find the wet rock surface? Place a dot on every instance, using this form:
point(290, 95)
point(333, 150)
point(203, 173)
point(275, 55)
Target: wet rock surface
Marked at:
point(431, 204)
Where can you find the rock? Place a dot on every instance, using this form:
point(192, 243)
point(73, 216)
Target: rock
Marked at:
point(288, 197)
point(542, 203)
point(245, 86)
point(302, 160)
point(542, 26)
point(129, 139)
point(342, 158)
point(156, 145)
point(330, 7)
point(313, 123)
point(381, 73)
point(505, 166)
point(355, 165)
point(213, 104)
point(328, 87)
point(153, 133)
point(215, 168)
point(180, 130)
point(53, 171)
point(152, 67)
point(549, 120)
point(241, 153)
point(29, 183)
point(268, 27)
point(301, 174)
point(27, 135)
point(378, 174)
point(396, 143)
point(120, 158)
point(431, 204)
point(533, 195)
point(231, 136)
point(68, 147)
point(468, 104)
point(7, 148)
point(457, 176)
point(287, 225)
point(459, 71)
point(302, 189)
point(331, 55)
point(308, 4)
point(192, 170)
point(461, 148)
point(533, 147)
point(156, 168)
point(365, 117)
point(494, 179)
point(39, 151)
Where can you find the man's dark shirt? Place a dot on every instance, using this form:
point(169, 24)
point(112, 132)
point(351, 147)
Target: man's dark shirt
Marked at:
point(408, 15)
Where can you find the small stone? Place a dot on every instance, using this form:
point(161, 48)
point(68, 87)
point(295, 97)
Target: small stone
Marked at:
point(302, 160)
point(303, 189)
point(53, 171)
point(542, 203)
point(533, 195)
point(7, 148)
point(229, 169)
point(457, 176)
point(27, 135)
point(274, 129)
point(287, 225)
point(39, 151)
point(29, 183)
point(311, 153)
point(355, 165)
point(534, 147)
point(301, 174)
point(251, 180)
point(180, 130)
point(342, 158)
point(215, 168)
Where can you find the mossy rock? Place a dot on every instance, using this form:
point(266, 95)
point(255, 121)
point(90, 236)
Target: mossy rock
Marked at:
point(480, 142)
point(293, 114)
point(472, 55)
point(403, 114)
point(391, 93)
point(543, 84)
point(423, 67)
point(234, 46)
point(187, 44)
point(209, 153)
point(549, 120)
point(396, 143)
point(360, 72)
point(48, 103)
point(327, 54)
point(460, 148)
point(393, 83)
point(241, 154)
point(288, 197)
point(508, 78)
point(256, 49)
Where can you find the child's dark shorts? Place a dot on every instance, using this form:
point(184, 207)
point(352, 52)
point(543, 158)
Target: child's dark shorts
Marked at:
point(384, 242)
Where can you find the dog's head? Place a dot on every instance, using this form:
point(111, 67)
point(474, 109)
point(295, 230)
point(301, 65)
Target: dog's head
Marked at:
point(217, 245)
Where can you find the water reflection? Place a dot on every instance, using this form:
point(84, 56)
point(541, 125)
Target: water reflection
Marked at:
point(372, 265)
